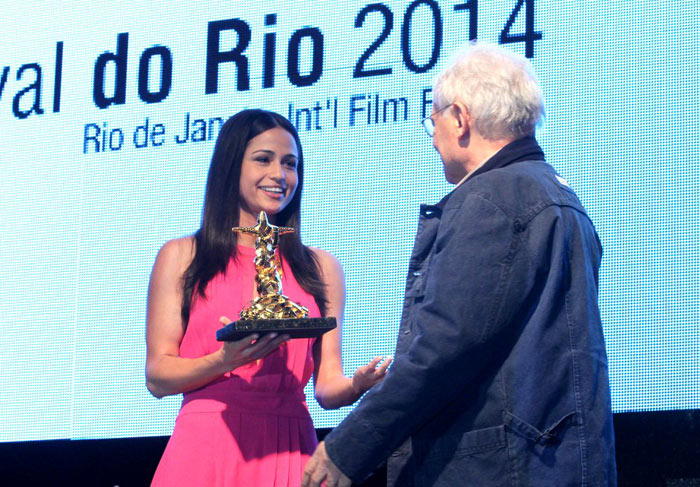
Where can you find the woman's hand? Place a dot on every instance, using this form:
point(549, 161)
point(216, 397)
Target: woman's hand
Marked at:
point(240, 352)
point(368, 375)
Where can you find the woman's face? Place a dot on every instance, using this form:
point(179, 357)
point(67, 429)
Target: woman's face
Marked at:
point(268, 174)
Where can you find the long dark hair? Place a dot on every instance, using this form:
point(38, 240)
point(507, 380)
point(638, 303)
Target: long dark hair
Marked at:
point(215, 242)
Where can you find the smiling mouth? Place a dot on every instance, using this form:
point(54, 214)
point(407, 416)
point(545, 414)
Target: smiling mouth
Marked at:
point(272, 189)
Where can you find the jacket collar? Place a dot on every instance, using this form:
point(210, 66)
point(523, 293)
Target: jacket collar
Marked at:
point(523, 149)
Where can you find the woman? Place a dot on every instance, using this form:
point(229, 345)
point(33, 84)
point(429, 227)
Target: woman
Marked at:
point(244, 419)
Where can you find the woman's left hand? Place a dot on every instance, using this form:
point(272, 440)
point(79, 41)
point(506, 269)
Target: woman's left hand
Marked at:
point(368, 375)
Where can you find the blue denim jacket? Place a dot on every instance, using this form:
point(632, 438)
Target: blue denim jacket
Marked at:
point(500, 373)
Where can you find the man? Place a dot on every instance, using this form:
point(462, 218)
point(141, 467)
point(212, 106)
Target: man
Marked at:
point(500, 372)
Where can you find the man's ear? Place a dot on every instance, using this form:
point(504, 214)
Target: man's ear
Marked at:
point(463, 120)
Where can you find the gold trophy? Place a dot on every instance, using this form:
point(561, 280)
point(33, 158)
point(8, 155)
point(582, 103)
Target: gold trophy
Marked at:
point(271, 311)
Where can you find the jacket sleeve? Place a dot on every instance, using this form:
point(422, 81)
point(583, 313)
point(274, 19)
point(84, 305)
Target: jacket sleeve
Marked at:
point(475, 274)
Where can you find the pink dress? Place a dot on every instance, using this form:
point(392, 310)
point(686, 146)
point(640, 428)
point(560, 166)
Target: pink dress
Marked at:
point(251, 427)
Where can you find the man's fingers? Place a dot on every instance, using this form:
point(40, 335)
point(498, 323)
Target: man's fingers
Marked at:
point(310, 467)
point(319, 476)
point(313, 476)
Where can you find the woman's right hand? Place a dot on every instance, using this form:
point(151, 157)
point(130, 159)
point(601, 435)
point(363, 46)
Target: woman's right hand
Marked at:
point(253, 347)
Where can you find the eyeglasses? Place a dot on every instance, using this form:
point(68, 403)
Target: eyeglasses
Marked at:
point(429, 123)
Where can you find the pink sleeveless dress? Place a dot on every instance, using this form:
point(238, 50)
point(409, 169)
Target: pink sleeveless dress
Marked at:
point(251, 427)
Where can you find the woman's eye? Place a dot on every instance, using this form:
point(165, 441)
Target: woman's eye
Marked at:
point(290, 164)
point(263, 159)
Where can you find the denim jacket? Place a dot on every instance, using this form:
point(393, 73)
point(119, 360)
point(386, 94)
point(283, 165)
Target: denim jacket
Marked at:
point(500, 373)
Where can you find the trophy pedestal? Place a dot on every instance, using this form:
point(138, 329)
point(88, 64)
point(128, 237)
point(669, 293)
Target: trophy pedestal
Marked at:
point(294, 327)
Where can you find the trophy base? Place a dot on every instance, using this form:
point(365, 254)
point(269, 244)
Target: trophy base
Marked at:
point(294, 327)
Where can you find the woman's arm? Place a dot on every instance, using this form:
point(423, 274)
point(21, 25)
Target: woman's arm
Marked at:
point(166, 372)
point(332, 389)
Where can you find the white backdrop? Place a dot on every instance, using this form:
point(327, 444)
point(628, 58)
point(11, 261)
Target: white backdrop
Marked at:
point(85, 207)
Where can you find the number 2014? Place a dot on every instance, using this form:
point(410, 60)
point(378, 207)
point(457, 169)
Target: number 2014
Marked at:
point(472, 6)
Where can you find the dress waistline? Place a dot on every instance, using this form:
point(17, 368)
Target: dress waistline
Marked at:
point(222, 397)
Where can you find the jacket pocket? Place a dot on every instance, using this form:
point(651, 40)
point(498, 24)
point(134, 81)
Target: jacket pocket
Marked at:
point(481, 440)
point(544, 457)
point(550, 435)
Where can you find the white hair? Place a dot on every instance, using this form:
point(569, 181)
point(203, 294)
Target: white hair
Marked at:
point(498, 88)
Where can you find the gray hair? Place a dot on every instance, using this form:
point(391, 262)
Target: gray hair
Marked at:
point(498, 88)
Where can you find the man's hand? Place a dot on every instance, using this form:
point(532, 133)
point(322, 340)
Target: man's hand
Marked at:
point(320, 468)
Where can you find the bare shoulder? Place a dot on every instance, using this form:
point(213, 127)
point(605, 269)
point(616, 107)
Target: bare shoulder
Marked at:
point(176, 255)
point(331, 269)
point(330, 265)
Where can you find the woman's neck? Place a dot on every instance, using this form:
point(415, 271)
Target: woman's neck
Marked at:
point(246, 240)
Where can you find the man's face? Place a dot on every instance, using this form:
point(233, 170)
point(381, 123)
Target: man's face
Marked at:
point(438, 133)
point(446, 141)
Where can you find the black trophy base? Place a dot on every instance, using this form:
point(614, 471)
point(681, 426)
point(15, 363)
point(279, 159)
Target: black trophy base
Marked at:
point(294, 327)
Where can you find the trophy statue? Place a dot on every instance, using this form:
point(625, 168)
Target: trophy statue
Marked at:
point(271, 311)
